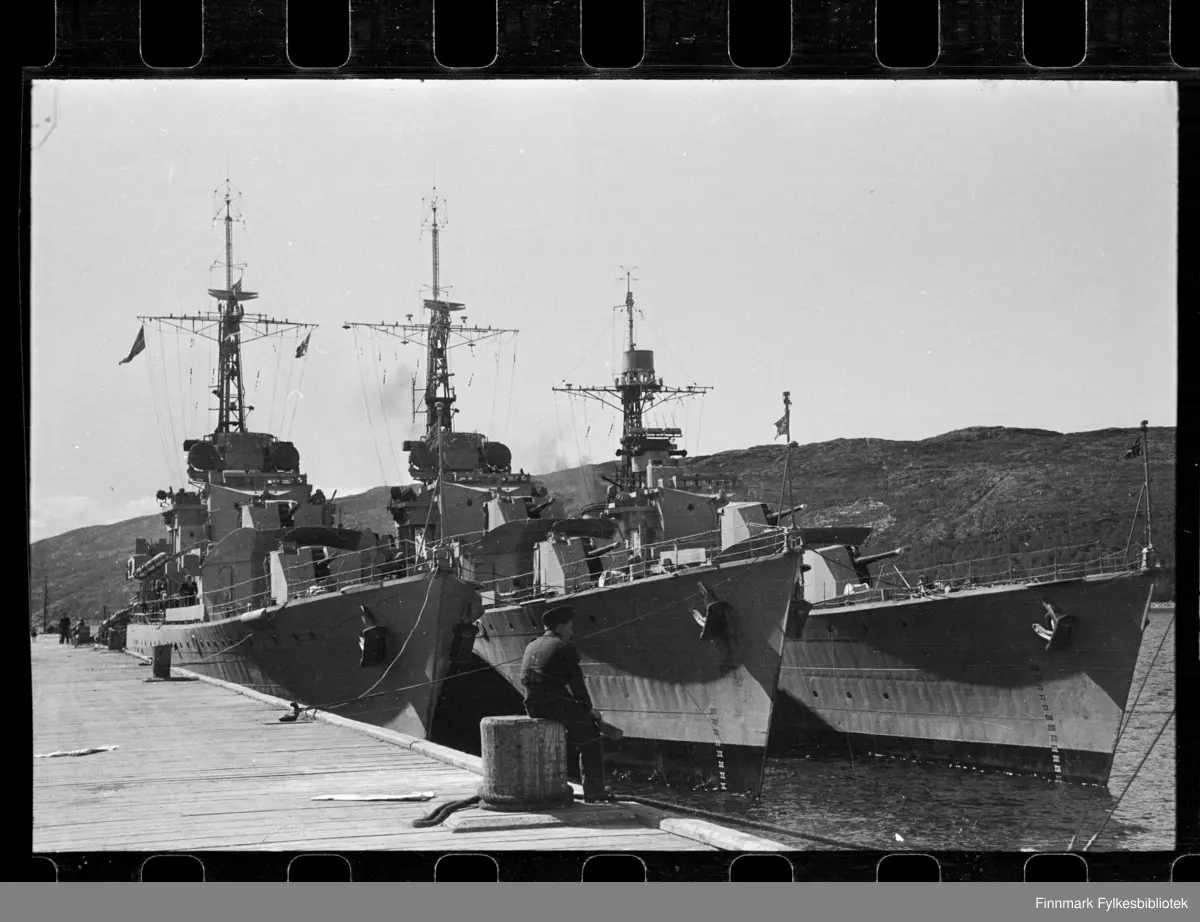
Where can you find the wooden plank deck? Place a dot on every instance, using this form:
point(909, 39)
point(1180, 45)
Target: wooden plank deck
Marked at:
point(202, 767)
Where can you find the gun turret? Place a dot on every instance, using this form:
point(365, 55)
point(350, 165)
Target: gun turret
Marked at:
point(875, 558)
point(774, 517)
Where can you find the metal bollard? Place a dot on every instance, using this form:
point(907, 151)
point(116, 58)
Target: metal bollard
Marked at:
point(524, 764)
point(162, 661)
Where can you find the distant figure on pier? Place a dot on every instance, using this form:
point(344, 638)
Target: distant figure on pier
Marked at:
point(64, 629)
point(554, 689)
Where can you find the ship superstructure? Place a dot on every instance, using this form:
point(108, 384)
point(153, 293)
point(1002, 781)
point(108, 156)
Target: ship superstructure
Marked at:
point(257, 584)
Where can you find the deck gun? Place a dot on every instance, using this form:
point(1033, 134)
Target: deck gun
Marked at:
point(773, 518)
point(867, 559)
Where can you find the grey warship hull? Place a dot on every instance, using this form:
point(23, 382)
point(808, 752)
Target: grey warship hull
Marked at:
point(965, 679)
point(693, 707)
point(308, 650)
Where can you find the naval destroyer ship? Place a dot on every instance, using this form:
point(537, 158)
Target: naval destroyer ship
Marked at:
point(255, 582)
point(1024, 667)
point(680, 609)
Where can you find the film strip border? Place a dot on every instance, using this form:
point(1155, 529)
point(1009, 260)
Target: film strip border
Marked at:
point(1105, 39)
point(1076, 39)
point(468, 867)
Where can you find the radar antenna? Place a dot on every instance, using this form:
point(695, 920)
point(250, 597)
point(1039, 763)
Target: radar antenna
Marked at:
point(230, 327)
point(637, 390)
point(438, 337)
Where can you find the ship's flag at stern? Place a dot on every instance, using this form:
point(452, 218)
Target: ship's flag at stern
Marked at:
point(302, 349)
point(1134, 451)
point(138, 345)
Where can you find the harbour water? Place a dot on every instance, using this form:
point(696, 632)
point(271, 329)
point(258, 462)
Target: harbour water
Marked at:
point(867, 802)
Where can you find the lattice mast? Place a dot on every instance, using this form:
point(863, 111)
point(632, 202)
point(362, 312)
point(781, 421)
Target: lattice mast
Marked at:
point(438, 337)
point(637, 390)
point(230, 324)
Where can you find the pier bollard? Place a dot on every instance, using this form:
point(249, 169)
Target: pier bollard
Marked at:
point(524, 764)
point(162, 661)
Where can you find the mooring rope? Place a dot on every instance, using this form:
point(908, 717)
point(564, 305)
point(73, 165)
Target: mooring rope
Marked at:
point(1125, 723)
point(440, 814)
point(1132, 778)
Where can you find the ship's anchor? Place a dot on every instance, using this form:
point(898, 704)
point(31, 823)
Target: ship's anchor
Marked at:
point(373, 640)
point(714, 622)
point(1057, 630)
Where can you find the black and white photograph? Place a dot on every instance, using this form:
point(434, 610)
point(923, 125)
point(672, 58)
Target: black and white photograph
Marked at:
point(609, 466)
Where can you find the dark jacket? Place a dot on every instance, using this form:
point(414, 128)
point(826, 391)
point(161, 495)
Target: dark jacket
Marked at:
point(550, 668)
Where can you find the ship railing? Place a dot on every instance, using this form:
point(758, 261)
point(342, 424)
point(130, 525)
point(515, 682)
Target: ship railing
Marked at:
point(648, 560)
point(1030, 568)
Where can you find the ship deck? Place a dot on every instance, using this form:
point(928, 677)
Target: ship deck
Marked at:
point(200, 765)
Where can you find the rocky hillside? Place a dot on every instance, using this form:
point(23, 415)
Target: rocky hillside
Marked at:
point(964, 495)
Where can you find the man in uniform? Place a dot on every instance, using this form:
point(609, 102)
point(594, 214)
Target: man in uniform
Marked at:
point(554, 690)
point(64, 629)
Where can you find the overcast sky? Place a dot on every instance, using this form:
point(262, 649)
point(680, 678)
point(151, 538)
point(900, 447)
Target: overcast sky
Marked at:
point(907, 258)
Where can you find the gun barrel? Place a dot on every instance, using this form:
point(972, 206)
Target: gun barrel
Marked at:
point(774, 517)
point(875, 558)
point(601, 551)
point(534, 510)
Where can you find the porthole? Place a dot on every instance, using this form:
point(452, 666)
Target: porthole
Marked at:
point(885, 697)
point(904, 624)
point(470, 502)
point(815, 695)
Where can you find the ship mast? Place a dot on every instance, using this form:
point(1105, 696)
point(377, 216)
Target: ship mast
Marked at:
point(637, 391)
point(438, 337)
point(231, 327)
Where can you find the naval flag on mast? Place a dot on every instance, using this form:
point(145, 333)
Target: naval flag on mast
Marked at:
point(138, 345)
point(783, 425)
point(302, 349)
point(1135, 450)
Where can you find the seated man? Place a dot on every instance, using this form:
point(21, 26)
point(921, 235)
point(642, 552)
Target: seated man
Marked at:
point(554, 690)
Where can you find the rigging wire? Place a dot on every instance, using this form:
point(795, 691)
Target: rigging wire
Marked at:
point(587, 494)
point(166, 390)
point(159, 428)
point(495, 391)
point(387, 428)
point(182, 397)
point(512, 381)
point(367, 406)
point(274, 386)
point(299, 395)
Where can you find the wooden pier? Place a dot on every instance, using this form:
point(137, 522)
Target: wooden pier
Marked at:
point(198, 765)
